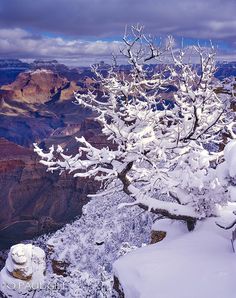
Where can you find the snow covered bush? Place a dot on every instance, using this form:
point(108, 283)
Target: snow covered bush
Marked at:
point(96, 240)
point(162, 118)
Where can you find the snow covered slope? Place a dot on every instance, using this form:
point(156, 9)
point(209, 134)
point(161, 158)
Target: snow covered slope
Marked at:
point(90, 245)
point(198, 264)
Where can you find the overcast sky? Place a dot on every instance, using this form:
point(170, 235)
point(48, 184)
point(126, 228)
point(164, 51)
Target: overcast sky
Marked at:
point(85, 31)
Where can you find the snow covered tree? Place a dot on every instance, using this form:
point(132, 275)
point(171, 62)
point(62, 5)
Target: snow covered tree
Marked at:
point(161, 157)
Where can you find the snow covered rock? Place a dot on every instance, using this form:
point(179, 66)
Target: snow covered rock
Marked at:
point(226, 172)
point(230, 158)
point(185, 264)
point(19, 263)
point(24, 270)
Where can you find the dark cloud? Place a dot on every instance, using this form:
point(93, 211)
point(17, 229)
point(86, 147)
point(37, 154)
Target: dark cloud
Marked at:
point(104, 18)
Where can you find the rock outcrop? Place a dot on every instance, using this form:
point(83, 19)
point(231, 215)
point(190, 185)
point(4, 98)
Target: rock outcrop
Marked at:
point(60, 267)
point(157, 236)
point(117, 288)
point(24, 271)
point(36, 104)
point(37, 87)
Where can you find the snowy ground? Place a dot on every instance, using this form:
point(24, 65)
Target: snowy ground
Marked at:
point(198, 264)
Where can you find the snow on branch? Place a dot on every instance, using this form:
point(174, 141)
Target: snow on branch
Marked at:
point(161, 117)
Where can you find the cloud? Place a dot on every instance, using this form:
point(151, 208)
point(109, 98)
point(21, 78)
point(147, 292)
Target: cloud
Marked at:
point(23, 44)
point(19, 43)
point(106, 18)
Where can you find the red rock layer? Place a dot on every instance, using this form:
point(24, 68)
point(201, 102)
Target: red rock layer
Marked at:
point(32, 200)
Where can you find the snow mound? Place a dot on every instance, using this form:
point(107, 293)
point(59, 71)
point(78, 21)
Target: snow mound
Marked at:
point(230, 157)
point(199, 264)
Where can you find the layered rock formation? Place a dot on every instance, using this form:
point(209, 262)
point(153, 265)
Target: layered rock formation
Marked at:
point(34, 201)
point(35, 105)
point(37, 87)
